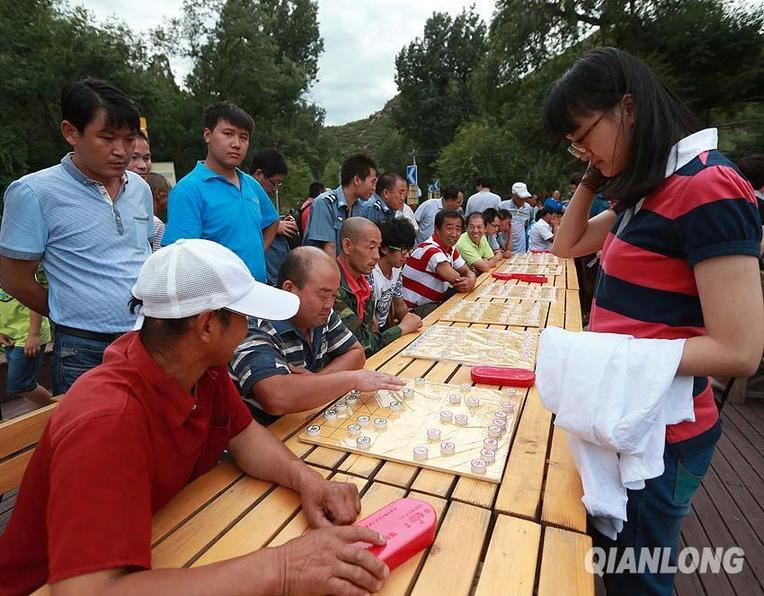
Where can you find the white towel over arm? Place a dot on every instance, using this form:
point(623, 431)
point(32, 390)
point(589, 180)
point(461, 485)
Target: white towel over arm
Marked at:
point(614, 395)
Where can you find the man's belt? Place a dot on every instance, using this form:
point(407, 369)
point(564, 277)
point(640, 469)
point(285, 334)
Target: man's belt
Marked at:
point(82, 333)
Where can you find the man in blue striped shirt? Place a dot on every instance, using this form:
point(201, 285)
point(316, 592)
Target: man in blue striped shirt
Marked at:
point(89, 222)
point(309, 360)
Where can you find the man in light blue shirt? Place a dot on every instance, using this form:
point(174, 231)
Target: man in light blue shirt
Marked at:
point(426, 212)
point(358, 178)
point(219, 202)
point(89, 222)
point(521, 216)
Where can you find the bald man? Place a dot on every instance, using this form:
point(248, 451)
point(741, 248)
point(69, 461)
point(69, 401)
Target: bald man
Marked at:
point(311, 359)
point(360, 240)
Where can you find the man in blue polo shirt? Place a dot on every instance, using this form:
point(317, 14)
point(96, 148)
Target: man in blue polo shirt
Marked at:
point(219, 202)
point(358, 177)
point(309, 360)
point(89, 222)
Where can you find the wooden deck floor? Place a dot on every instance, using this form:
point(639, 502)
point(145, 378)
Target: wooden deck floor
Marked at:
point(728, 510)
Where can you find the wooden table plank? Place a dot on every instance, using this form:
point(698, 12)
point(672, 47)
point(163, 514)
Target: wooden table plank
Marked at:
point(325, 457)
point(453, 559)
point(296, 446)
point(396, 474)
point(433, 482)
point(571, 274)
point(360, 465)
point(180, 547)
point(193, 497)
point(563, 564)
point(402, 578)
point(562, 504)
point(572, 311)
point(299, 523)
point(520, 489)
point(511, 559)
point(255, 529)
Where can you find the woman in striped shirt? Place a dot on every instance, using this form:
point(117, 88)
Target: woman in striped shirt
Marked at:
point(679, 260)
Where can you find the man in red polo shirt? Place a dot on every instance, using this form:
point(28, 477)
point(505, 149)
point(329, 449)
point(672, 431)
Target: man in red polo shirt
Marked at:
point(155, 415)
point(436, 269)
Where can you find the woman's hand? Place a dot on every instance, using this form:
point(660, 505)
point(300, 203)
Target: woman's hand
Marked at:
point(593, 178)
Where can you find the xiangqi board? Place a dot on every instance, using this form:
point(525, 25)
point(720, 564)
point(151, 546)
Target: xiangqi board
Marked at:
point(517, 292)
point(529, 258)
point(533, 268)
point(473, 347)
point(519, 314)
point(461, 430)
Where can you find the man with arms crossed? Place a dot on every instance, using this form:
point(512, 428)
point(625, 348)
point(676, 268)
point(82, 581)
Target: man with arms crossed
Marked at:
point(435, 269)
point(157, 414)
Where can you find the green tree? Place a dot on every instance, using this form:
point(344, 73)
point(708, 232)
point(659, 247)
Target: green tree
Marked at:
point(331, 174)
point(708, 51)
point(294, 190)
point(433, 75)
point(43, 45)
point(260, 54)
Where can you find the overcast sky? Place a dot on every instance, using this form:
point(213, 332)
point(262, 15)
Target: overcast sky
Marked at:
point(361, 39)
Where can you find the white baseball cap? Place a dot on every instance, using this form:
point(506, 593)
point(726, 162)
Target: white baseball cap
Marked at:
point(521, 190)
point(194, 275)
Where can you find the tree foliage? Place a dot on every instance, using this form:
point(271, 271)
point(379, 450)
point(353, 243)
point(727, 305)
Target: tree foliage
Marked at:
point(294, 190)
point(708, 52)
point(262, 54)
point(433, 74)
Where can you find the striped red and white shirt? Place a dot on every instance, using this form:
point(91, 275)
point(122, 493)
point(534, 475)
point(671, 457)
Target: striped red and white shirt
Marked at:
point(646, 286)
point(421, 282)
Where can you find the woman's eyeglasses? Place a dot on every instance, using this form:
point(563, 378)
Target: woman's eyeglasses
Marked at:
point(578, 148)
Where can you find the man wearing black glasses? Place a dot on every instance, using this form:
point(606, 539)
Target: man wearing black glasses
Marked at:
point(269, 168)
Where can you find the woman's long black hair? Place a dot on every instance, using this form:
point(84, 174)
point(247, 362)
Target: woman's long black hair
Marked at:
point(598, 81)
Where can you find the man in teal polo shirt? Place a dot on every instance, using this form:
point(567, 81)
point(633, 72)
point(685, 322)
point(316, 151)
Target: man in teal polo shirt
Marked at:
point(217, 201)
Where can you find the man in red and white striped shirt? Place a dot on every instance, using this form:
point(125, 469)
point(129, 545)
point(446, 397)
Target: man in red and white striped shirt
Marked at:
point(435, 269)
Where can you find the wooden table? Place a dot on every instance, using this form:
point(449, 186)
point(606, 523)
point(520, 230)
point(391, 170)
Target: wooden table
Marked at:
point(523, 536)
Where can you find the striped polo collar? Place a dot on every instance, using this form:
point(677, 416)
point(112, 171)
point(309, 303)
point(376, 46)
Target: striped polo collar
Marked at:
point(690, 147)
point(71, 168)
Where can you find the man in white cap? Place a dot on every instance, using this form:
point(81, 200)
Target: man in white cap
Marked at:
point(521, 216)
point(156, 414)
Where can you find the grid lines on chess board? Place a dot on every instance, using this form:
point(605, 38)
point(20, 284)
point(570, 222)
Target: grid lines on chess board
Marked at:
point(474, 347)
point(424, 416)
point(533, 268)
point(518, 314)
point(517, 292)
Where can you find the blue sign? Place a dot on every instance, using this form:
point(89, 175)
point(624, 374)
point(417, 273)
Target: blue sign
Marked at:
point(411, 175)
point(436, 184)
